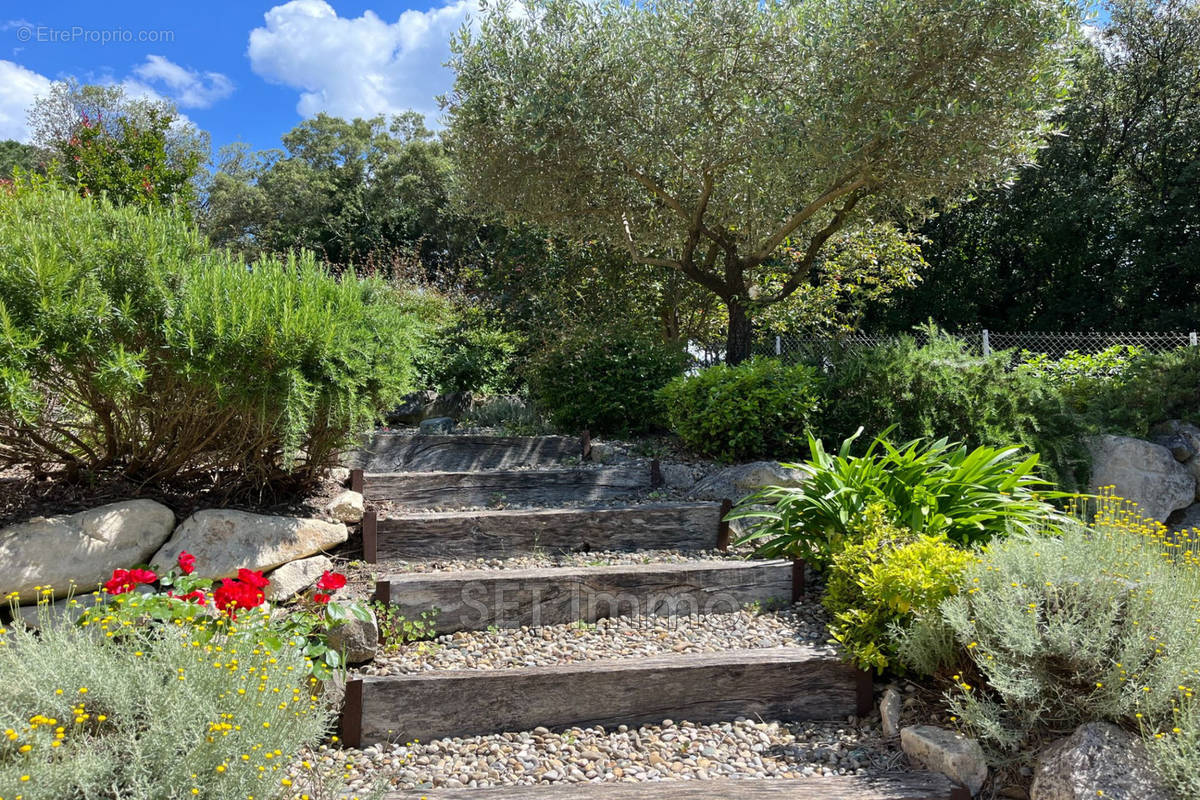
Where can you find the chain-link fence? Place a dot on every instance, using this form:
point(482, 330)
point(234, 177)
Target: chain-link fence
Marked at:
point(985, 342)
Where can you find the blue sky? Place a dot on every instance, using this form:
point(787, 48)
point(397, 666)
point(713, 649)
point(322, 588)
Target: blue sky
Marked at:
point(239, 70)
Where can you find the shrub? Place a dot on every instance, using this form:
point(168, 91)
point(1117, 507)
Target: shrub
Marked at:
point(943, 389)
point(470, 354)
point(151, 713)
point(760, 407)
point(604, 381)
point(1097, 623)
point(126, 345)
point(930, 488)
point(1153, 387)
point(1078, 376)
point(881, 581)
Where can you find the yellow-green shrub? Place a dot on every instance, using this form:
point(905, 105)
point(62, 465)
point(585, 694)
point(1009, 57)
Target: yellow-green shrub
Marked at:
point(878, 584)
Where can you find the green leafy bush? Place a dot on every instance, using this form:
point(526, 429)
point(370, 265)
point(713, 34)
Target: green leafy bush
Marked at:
point(930, 488)
point(1153, 388)
point(882, 580)
point(1090, 624)
point(1080, 375)
point(605, 381)
point(761, 407)
point(126, 345)
point(470, 354)
point(148, 713)
point(943, 389)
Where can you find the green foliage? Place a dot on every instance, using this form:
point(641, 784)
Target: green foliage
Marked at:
point(126, 344)
point(1078, 376)
point(1099, 234)
point(14, 154)
point(470, 354)
point(930, 488)
point(397, 630)
point(129, 165)
point(589, 117)
point(1153, 388)
point(511, 415)
point(1085, 624)
point(761, 407)
point(151, 713)
point(605, 381)
point(941, 388)
point(881, 580)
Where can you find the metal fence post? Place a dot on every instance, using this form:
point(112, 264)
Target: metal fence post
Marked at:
point(1192, 339)
point(779, 344)
point(987, 343)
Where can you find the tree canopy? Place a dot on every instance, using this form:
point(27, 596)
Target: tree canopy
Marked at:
point(703, 136)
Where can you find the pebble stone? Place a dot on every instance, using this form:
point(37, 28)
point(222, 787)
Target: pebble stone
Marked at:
point(616, 637)
point(674, 750)
point(595, 558)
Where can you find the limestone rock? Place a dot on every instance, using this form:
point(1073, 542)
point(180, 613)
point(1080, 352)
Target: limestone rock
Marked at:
point(1097, 758)
point(340, 475)
point(437, 425)
point(889, 711)
point(1178, 445)
point(411, 410)
point(223, 540)
point(678, 476)
point(734, 483)
point(84, 547)
point(357, 639)
point(346, 507)
point(958, 757)
point(1143, 472)
point(294, 577)
point(454, 405)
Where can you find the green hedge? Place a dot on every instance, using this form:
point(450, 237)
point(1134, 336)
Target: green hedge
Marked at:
point(127, 345)
point(761, 407)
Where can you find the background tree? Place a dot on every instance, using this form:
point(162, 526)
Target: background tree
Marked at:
point(703, 136)
point(15, 154)
point(136, 150)
point(1103, 232)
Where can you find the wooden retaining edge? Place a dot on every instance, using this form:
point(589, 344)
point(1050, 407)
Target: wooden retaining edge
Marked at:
point(471, 600)
point(503, 533)
point(542, 486)
point(788, 683)
point(891, 786)
point(398, 452)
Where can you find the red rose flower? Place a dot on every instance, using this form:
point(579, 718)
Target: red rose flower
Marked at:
point(321, 597)
point(120, 582)
point(142, 575)
point(187, 562)
point(253, 577)
point(233, 595)
point(331, 581)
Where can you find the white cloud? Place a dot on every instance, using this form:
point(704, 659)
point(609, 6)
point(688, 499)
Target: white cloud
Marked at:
point(358, 67)
point(189, 88)
point(18, 88)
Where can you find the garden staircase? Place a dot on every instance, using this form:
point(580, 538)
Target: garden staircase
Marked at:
point(460, 473)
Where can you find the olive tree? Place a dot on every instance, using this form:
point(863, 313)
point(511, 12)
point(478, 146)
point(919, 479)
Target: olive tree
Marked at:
point(704, 136)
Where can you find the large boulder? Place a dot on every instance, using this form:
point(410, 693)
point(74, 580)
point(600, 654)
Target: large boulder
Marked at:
point(1143, 472)
point(411, 409)
point(958, 757)
point(356, 639)
point(1097, 760)
point(346, 507)
point(294, 577)
point(82, 548)
point(734, 483)
point(1185, 520)
point(223, 540)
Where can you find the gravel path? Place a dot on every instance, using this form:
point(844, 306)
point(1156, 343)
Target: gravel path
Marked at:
point(670, 751)
point(595, 558)
point(616, 637)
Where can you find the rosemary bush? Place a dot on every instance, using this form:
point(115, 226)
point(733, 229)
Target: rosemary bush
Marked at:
point(128, 345)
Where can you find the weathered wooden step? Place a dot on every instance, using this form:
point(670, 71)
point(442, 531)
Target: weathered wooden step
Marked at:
point(525, 486)
point(792, 683)
point(500, 534)
point(398, 452)
point(892, 786)
point(477, 599)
